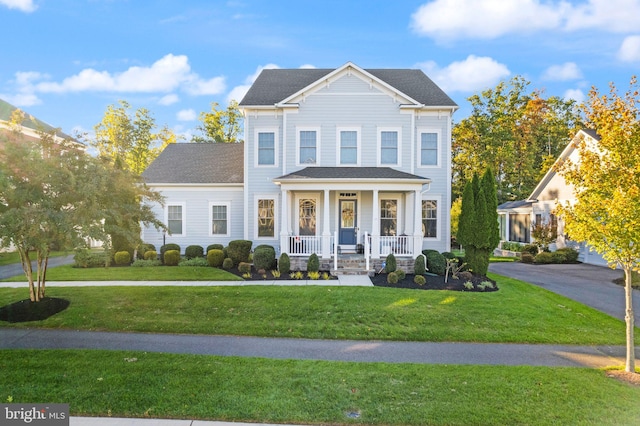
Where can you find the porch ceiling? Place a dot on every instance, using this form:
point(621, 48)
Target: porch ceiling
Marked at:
point(339, 174)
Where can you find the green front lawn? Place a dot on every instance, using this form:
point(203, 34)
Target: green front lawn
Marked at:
point(518, 313)
point(139, 384)
point(129, 273)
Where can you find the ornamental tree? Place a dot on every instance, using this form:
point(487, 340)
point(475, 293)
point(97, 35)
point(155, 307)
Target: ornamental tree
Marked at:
point(606, 182)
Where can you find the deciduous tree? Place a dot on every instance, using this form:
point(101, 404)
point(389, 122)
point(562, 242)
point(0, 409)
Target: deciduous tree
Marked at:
point(606, 181)
point(220, 126)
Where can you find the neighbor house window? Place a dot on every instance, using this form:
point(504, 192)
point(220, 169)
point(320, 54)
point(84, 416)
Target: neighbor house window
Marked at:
point(348, 147)
point(307, 217)
point(430, 218)
point(389, 147)
point(266, 148)
point(266, 218)
point(308, 147)
point(428, 149)
point(388, 217)
point(219, 219)
point(175, 219)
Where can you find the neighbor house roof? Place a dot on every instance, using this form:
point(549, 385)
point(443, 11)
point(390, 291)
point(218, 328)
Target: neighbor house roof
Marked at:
point(30, 122)
point(198, 163)
point(514, 205)
point(346, 173)
point(275, 85)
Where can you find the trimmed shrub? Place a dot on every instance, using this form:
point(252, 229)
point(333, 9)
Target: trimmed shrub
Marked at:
point(420, 280)
point(244, 268)
point(390, 264)
point(171, 257)
point(544, 258)
point(215, 257)
point(90, 259)
point(570, 254)
point(264, 257)
point(239, 251)
point(531, 249)
point(165, 248)
point(465, 276)
point(196, 261)
point(227, 264)
point(122, 258)
point(436, 262)
point(419, 266)
point(191, 252)
point(448, 255)
point(284, 264)
point(144, 248)
point(214, 247)
point(526, 257)
point(392, 278)
point(140, 263)
point(151, 255)
point(313, 265)
point(401, 274)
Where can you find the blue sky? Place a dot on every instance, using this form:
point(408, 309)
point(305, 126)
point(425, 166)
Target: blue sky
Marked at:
point(65, 61)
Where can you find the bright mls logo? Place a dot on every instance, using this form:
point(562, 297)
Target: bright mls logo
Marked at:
point(34, 414)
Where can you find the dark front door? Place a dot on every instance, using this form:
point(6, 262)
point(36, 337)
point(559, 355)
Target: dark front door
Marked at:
point(348, 223)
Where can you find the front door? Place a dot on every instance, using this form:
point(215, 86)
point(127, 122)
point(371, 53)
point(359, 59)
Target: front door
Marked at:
point(348, 223)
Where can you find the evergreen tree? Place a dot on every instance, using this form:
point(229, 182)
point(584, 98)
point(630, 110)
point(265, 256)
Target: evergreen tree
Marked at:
point(490, 192)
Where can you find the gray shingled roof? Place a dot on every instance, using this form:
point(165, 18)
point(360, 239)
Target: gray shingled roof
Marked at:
point(342, 173)
point(275, 85)
point(514, 205)
point(198, 163)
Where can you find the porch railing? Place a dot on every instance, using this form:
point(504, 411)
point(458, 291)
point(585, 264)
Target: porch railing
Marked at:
point(401, 245)
point(305, 245)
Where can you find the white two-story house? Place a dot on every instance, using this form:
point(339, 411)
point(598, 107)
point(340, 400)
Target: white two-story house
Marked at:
point(334, 161)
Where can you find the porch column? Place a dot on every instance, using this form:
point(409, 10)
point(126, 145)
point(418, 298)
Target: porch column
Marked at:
point(326, 227)
point(284, 222)
point(417, 223)
point(375, 223)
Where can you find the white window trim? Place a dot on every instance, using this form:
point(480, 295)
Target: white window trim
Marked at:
point(276, 218)
point(399, 212)
point(306, 196)
point(273, 130)
point(419, 164)
point(318, 139)
point(182, 204)
point(219, 203)
point(398, 130)
point(439, 230)
point(339, 145)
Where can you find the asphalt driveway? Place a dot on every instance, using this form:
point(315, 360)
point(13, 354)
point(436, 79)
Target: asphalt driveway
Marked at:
point(588, 284)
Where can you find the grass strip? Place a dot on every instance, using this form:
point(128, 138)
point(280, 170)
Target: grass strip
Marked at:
point(156, 273)
point(517, 313)
point(137, 384)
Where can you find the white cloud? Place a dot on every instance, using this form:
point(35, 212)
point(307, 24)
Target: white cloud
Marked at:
point(453, 19)
point(575, 94)
point(473, 74)
point(186, 115)
point(565, 72)
point(488, 19)
point(23, 5)
point(169, 99)
point(170, 73)
point(630, 49)
point(21, 99)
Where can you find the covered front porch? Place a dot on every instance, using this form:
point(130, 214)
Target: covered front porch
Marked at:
point(334, 212)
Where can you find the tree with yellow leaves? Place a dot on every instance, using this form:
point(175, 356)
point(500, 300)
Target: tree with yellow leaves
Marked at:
point(606, 182)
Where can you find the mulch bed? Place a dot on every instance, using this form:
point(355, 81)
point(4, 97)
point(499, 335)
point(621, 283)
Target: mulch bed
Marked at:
point(269, 276)
point(26, 310)
point(436, 282)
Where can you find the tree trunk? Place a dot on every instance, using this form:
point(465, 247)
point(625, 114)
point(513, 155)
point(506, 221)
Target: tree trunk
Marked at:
point(630, 364)
point(28, 271)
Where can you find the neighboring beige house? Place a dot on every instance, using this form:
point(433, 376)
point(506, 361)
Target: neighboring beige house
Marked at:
point(517, 217)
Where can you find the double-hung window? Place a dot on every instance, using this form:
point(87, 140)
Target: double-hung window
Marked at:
point(430, 218)
point(389, 147)
point(219, 219)
point(175, 219)
point(308, 145)
point(428, 149)
point(348, 147)
point(266, 148)
point(388, 217)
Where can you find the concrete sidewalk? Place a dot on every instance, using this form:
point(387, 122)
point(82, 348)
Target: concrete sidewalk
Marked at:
point(111, 421)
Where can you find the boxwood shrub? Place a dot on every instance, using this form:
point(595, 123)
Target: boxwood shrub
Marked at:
point(151, 255)
point(284, 264)
point(313, 265)
point(167, 247)
point(122, 258)
point(419, 266)
point(239, 251)
point(144, 248)
point(264, 257)
point(215, 257)
point(390, 264)
point(436, 262)
point(227, 264)
point(193, 251)
point(172, 257)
